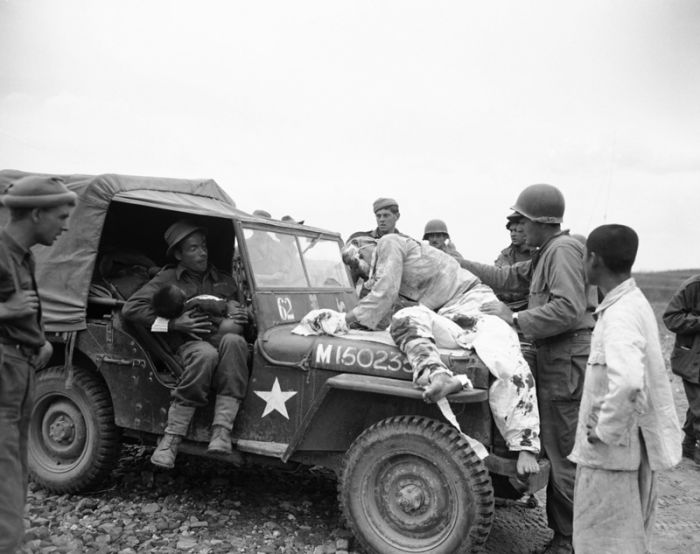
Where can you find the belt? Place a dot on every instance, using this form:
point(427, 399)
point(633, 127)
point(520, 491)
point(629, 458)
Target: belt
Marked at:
point(562, 336)
point(24, 349)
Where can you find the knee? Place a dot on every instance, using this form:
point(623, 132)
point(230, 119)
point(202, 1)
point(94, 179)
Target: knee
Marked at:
point(231, 340)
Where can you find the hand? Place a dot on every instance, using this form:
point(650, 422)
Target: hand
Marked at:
point(591, 424)
point(21, 304)
point(44, 355)
point(239, 315)
point(192, 324)
point(498, 309)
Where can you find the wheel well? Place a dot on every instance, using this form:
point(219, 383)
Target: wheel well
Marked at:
point(354, 411)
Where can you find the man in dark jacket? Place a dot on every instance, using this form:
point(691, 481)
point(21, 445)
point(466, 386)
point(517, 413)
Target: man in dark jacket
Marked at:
point(682, 316)
point(559, 318)
point(39, 210)
point(225, 370)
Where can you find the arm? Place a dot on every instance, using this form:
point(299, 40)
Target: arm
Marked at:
point(624, 358)
point(387, 274)
point(511, 277)
point(680, 316)
point(567, 298)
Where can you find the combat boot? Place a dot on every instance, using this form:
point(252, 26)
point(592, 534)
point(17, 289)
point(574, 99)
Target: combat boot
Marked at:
point(179, 418)
point(225, 411)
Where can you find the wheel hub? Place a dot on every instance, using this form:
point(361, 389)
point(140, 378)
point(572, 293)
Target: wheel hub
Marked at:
point(411, 498)
point(62, 430)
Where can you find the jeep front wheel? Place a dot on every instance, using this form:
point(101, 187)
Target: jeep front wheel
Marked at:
point(413, 484)
point(73, 441)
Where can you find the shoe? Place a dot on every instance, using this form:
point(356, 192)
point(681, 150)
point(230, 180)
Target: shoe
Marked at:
point(688, 446)
point(220, 442)
point(165, 452)
point(560, 544)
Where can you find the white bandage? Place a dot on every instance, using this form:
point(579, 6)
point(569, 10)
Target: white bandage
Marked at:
point(160, 325)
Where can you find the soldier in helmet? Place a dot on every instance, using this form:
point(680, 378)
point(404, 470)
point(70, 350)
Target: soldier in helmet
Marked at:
point(39, 210)
point(437, 236)
point(559, 318)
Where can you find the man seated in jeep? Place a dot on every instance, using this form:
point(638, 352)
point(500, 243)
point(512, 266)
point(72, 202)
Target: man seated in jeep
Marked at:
point(225, 370)
point(446, 313)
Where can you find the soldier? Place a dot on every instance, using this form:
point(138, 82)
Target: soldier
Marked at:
point(517, 250)
point(225, 370)
point(682, 316)
point(39, 210)
point(437, 236)
point(559, 319)
point(628, 429)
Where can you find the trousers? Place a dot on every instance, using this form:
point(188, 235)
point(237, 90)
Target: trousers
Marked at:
point(223, 370)
point(561, 367)
point(16, 403)
point(614, 511)
point(419, 332)
point(691, 427)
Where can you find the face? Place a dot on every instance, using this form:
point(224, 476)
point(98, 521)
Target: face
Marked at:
point(437, 240)
point(386, 220)
point(192, 252)
point(533, 231)
point(517, 233)
point(50, 223)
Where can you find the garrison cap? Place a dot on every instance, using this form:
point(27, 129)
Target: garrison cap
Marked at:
point(38, 191)
point(381, 203)
point(263, 213)
point(178, 232)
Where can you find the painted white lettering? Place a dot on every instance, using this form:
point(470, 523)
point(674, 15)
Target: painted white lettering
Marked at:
point(382, 356)
point(365, 357)
point(323, 354)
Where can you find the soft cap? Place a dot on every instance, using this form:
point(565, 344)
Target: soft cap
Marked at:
point(381, 203)
point(38, 191)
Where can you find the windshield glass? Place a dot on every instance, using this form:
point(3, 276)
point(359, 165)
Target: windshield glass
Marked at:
point(276, 260)
point(323, 263)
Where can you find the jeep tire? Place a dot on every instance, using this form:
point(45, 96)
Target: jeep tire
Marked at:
point(73, 441)
point(413, 484)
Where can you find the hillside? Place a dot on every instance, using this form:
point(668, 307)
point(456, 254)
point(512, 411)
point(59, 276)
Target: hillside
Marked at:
point(659, 286)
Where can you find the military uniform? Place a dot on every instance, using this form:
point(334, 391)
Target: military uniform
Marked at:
point(21, 341)
point(682, 316)
point(559, 319)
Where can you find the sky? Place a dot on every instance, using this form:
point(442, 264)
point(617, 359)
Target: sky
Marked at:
point(316, 108)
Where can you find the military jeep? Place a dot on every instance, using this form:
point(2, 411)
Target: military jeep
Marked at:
point(408, 480)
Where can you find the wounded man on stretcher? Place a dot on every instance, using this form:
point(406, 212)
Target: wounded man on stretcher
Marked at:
point(445, 313)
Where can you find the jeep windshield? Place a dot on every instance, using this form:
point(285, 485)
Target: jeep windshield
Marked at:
point(284, 260)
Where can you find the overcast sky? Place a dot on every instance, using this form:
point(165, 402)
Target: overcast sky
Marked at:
point(314, 109)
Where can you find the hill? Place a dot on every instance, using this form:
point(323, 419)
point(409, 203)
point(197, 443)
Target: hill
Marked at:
point(659, 286)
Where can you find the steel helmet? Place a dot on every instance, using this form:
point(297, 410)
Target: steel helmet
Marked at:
point(541, 203)
point(435, 226)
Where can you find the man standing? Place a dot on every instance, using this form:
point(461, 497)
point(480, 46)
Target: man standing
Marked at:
point(437, 236)
point(628, 428)
point(225, 370)
point(386, 211)
point(682, 316)
point(39, 210)
point(517, 251)
point(559, 318)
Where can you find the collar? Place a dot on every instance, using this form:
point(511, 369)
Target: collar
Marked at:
point(615, 294)
point(13, 245)
point(180, 269)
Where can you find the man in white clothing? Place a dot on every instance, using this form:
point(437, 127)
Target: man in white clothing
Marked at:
point(627, 426)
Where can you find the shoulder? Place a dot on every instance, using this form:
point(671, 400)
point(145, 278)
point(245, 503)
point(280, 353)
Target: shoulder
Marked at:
point(691, 283)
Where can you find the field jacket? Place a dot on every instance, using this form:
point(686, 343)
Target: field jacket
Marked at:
point(627, 391)
point(408, 271)
point(558, 301)
point(682, 316)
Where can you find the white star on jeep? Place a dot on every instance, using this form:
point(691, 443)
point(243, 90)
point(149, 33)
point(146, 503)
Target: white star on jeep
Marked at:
point(275, 399)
